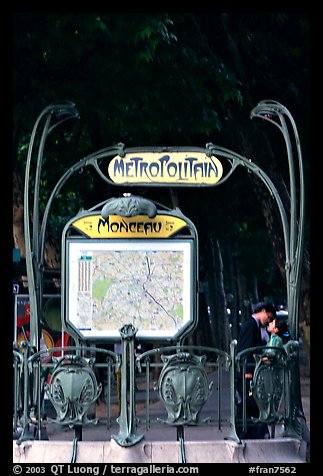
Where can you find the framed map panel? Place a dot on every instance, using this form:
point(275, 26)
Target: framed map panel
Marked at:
point(147, 283)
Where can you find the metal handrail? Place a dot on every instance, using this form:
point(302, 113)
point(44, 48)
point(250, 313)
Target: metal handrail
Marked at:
point(31, 366)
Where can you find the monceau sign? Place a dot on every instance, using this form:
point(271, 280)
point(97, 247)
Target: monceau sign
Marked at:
point(139, 226)
point(186, 168)
point(129, 269)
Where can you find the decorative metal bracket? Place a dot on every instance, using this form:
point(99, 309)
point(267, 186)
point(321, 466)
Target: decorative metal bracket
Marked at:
point(73, 389)
point(23, 355)
point(271, 381)
point(267, 388)
point(129, 206)
point(295, 420)
point(183, 387)
point(127, 419)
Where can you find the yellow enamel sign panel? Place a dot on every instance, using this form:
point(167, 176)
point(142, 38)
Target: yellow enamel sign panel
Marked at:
point(140, 226)
point(190, 168)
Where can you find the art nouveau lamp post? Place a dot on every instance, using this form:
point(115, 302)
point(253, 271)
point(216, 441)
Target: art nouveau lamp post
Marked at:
point(269, 111)
point(292, 223)
point(58, 113)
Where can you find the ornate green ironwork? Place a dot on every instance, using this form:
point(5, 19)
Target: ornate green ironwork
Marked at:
point(295, 420)
point(18, 385)
point(233, 433)
point(267, 386)
point(183, 387)
point(127, 420)
point(59, 113)
point(222, 360)
point(270, 385)
point(73, 389)
point(183, 384)
point(23, 397)
point(129, 206)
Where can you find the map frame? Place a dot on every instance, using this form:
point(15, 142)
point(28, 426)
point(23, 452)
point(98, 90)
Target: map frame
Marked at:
point(162, 249)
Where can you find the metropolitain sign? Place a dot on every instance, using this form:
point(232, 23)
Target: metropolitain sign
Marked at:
point(187, 168)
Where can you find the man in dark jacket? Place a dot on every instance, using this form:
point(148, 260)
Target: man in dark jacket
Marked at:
point(252, 334)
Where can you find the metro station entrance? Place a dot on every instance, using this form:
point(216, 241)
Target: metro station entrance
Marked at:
point(130, 273)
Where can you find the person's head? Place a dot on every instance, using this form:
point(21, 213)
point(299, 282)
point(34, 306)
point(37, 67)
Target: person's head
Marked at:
point(264, 312)
point(277, 326)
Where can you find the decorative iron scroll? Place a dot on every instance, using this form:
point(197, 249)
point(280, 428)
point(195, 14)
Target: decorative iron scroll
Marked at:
point(267, 387)
point(183, 387)
point(129, 206)
point(73, 389)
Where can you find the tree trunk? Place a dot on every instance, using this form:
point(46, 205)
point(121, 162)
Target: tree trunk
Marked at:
point(202, 335)
point(234, 306)
point(219, 316)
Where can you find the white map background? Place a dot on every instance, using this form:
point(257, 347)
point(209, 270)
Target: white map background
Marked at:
point(148, 288)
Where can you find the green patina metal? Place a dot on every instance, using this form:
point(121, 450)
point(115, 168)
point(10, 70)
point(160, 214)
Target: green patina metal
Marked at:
point(129, 206)
point(183, 384)
point(183, 387)
point(22, 393)
point(127, 420)
point(267, 387)
point(271, 386)
point(73, 389)
point(233, 433)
